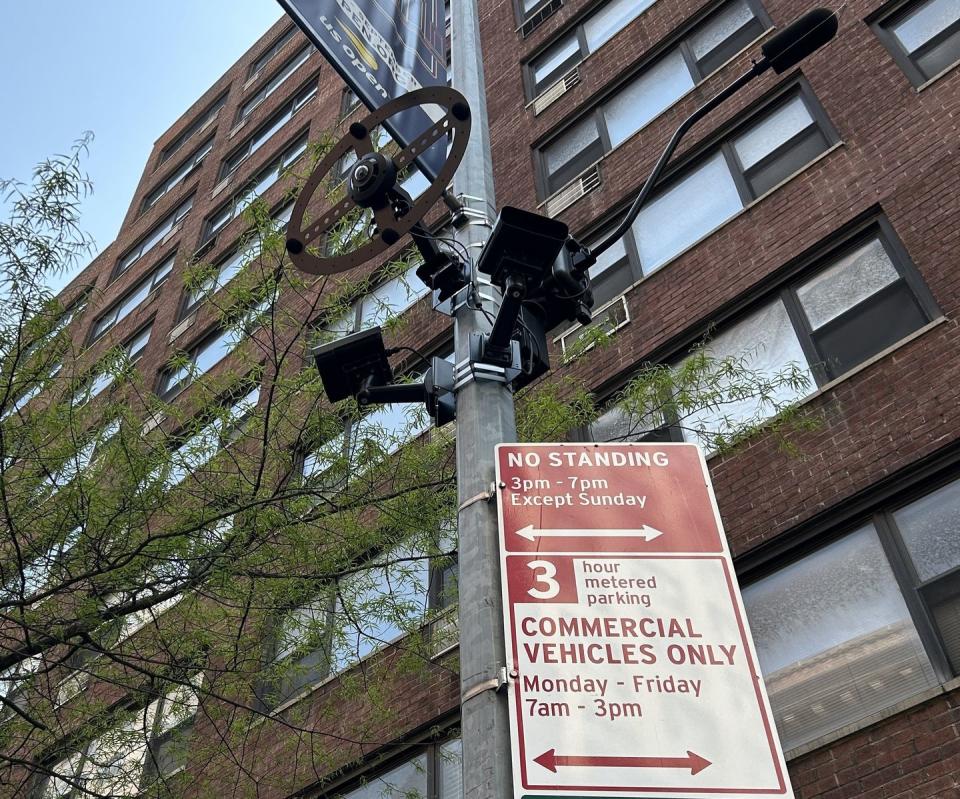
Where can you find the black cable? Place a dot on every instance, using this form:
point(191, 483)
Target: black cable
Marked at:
point(420, 355)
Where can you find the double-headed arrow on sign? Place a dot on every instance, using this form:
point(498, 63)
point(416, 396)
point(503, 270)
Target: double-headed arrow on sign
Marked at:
point(645, 531)
point(550, 760)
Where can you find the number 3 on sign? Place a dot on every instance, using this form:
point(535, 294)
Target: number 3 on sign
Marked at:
point(544, 571)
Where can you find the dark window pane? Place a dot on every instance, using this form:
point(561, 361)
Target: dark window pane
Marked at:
point(941, 53)
point(786, 160)
point(943, 599)
point(867, 328)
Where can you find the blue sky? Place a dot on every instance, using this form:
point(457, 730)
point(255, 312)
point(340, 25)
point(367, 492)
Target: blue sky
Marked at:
point(125, 69)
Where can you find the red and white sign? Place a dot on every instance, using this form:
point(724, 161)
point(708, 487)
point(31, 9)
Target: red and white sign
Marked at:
point(632, 667)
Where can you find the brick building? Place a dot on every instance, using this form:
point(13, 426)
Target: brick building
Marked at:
point(811, 220)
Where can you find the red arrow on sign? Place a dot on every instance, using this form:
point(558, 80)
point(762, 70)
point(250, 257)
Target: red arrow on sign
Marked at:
point(550, 760)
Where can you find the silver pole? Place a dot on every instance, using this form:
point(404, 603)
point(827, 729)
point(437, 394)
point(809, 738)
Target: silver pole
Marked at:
point(485, 418)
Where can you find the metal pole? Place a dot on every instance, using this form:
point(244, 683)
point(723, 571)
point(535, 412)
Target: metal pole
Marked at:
point(485, 417)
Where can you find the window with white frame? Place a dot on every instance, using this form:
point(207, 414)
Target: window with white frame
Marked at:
point(132, 299)
point(211, 350)
point(14, 683)
point(98, 381)
point(433, 772)
point(35, 572)
point(202, 357)
point(348, 102)
point(654, 89)
point(283, 115)
point(30, 343)
point(864, 622)
point(380, 432)
point(154, 237)
point(80, 461)
point(596, 30)
point(215, 346)
point(23, 399)
point(264, 58)
point(256, 187)
point(849, 305)
point(922, 37)
point(174, 717)
point(275, 81)
point(201, 122)
point(391, 594)
point(151, 744)
point(197, 450)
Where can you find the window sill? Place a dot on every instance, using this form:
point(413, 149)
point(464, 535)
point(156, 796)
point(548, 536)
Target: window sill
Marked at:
point(943, 73)
point(874, 718)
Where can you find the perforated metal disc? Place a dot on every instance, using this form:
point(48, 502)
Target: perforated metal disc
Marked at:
point(300, 238)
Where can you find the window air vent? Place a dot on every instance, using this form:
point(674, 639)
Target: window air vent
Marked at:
point(540, 17)
point(555, 92)
point(568, 195)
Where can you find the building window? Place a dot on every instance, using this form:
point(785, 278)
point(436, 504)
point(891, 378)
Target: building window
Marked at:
point(35, 573)
point(864, 622)
point(657, 87)
point(265, 131)
point(98, 381)
point(360, 442)
point(173, 718)
point(209, 352)
point(128, 758)
point(24, 398)
point(186, 168)
point(348, 102)
point(14, 682)
point(434, 772)
point(205, 118)
point(226, 270)
point(777, 142)
point(387, 300)
point(153, 238)
point(924, 38)
point(197, 450)
point(132, 300)
point(863, 296)
point(256, 187)
point(592, 33)
point(247, 251)
point(392, 593)
point(268, 88)
point(260, 64)
point(772, 146)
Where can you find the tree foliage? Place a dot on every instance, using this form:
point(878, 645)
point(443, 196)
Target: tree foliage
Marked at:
point(175, 573)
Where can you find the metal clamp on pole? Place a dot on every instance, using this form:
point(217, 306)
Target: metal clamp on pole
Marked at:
point(496, 684)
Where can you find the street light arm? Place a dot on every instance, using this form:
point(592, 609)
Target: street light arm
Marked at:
point(791, 45)
point(661, 164)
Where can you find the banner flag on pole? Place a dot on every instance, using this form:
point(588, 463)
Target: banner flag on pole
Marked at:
point(383, 49)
